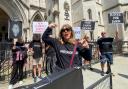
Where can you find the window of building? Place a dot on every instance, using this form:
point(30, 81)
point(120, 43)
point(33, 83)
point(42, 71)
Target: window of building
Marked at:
point(89, 14)
point(37, 18)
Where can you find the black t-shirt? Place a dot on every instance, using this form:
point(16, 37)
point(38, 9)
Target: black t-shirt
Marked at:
point(37, 48)
point(105, 44)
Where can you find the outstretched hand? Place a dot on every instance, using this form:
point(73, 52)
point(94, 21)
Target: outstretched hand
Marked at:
point(84, 43)
point(72, 41)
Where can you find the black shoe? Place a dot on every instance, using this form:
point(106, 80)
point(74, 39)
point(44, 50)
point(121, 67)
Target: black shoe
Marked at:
point(35, 79)
point(91, 68)
point(107, 72)
point(102, 73)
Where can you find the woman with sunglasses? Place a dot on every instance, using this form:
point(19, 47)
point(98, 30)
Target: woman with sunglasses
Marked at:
point(64, 48)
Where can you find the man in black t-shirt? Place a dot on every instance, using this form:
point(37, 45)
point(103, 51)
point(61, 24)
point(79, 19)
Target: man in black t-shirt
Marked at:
point(105, 50)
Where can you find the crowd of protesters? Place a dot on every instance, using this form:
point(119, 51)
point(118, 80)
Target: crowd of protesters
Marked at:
point(60, 54)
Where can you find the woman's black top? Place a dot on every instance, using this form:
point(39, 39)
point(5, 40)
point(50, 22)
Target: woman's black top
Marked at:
point(63, 51)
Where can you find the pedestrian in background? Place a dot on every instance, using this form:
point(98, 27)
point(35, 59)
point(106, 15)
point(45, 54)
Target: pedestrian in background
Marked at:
point(50, 59)
point(19, 57)
point(87, 50)
point(105, 50)
point(36, 48)
point(67, 50)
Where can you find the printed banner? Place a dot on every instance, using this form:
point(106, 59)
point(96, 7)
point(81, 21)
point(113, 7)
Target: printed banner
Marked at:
point(87, 25)
point(115, 17)
point(15, 29)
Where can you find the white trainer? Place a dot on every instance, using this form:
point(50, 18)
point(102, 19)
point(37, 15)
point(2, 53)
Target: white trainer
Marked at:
point(38, 79)
point(21, 82)
point(10, 87)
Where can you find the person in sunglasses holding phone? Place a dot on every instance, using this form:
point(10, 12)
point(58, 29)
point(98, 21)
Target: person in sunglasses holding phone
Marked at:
point(64, 47)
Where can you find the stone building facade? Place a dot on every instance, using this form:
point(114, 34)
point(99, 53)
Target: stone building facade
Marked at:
point(88, 10)
point(97, 10)
point(27, 11)
point(116, 6)
point(58, 11)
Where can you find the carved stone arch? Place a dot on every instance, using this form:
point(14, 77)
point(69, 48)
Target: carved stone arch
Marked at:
point(11, 9)
point(37, 16)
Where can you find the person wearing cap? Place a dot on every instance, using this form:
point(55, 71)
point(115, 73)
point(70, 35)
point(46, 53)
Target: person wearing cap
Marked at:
point(105, 51)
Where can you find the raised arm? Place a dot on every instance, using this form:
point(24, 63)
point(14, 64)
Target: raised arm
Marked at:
point(46, 36)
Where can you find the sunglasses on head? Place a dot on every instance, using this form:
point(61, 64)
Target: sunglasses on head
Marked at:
point(66, 29)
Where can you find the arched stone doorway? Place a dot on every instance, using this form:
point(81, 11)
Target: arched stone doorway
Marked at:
point(4, 18)
point(8, 11)
point(12, 10)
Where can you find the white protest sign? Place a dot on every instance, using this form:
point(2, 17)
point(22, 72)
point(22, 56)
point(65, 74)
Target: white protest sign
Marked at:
point(39, 27)
point(77, 32)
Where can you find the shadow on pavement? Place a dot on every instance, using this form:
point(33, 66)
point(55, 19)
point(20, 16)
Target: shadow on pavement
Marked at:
point(123, 75)
point(124, 54)
point(96, 70)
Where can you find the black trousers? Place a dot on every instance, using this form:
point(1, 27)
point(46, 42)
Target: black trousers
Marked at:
point(50, 64)
point(17, 72)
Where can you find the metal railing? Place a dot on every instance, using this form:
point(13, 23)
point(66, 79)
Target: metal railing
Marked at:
point(5, 66)
point(120, 47)
point(103, 83)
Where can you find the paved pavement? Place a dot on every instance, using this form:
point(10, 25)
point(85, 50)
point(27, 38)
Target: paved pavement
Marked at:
point(119, 69)
point(120, 73)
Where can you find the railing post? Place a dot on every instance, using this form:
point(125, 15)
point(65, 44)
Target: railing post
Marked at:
point(111, 85)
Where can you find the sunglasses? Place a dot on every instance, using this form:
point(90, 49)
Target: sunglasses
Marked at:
point(66, 29)
point(103, 33)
